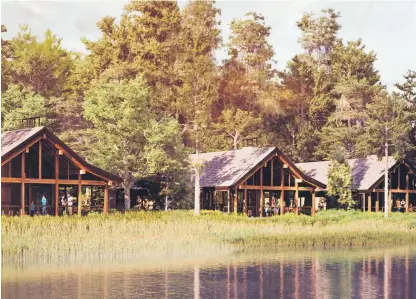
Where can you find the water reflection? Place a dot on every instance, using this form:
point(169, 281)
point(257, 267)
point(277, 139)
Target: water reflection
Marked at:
point(381, 273)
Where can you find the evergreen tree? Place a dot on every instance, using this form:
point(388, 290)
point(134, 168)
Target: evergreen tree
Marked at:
point(387, 132)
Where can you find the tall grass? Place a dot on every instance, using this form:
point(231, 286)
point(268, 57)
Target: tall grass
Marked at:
point(155, 235)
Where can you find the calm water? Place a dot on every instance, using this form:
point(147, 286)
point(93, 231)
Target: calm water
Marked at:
point(375, 273)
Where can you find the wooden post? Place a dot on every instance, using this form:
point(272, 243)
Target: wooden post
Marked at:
point(210, 195)
point(228, 201)
point(296, 197)
point(235, 201)
point(363, 199)
point(313, 203)
point(56, 185)
point(22, 192)
point(282, 194)
point(105, 199)
point(407, 193)
point(79, 194)
point(245, 198)
point(272, 172)
point(377, 203)
point(369, 202)
point(390, 201)
point(40, 159)
point(261, 193)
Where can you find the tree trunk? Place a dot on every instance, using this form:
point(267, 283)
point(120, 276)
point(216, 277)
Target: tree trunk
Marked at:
point(127, 200)
point(386, 180)
point(235, 143)
point(197, 193)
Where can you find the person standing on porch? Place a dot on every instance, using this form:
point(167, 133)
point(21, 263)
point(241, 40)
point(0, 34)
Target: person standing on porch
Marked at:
point(43, 203)
point(63, 203)
point(70, 201)
point(32, 208)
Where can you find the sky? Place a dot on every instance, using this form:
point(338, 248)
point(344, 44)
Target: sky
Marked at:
point(386, 27)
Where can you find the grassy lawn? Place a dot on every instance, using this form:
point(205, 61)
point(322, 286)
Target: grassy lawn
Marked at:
point(154, 235)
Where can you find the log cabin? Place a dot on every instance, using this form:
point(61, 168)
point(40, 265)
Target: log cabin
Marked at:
point(368, 181)
point(34, 162)
point(256, 181)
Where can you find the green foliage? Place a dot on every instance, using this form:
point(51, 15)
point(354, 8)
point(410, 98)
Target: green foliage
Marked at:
point(42, 66)
point(388, 122)
point(340, 181)
point(19, 103)
point(130, 141)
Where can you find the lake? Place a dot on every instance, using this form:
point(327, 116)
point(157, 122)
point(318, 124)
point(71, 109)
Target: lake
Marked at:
point(277, 273)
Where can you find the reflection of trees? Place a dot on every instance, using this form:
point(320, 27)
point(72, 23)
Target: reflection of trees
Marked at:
point(355, 273)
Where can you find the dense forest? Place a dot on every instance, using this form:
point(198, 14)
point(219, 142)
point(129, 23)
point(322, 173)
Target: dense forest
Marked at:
point(150, 90)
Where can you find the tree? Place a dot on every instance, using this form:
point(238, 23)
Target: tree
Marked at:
point(42, 66)
point(408, 88)
point(18, 103)
point(238, 124)
point(387, 132)
point(146, 43)
point(5, 55)
point(130, 141)
point(340, 180)
point(196, 68)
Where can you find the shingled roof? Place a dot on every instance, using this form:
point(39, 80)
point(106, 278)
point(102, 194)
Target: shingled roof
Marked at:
point(365, 171)
point(14, 141)
point(228, 168)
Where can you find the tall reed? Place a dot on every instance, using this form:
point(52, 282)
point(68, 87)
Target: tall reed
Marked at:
point(155, 235)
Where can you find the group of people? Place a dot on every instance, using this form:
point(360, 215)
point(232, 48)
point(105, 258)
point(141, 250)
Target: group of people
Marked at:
point(66, 200)
point(43, 202)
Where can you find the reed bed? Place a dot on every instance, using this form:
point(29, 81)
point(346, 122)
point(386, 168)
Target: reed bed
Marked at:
point(176, 234)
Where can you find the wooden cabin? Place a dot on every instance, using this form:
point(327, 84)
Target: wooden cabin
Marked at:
point(257, 181)
point(368, 181)
point(34, 162)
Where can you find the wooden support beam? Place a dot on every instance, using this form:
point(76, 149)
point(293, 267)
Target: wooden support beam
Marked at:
point(228, 202)
point(313, 203)
point(369, 202)
point(40, 159)
point(56, 185)
point(11, 180)
point(296, 198)
point(19, 152)
point(235, 201)
point(79, 195)
point(363, 203)
point(378, 203)
point(105, 199)
point(22, 185)
point(210, 198)
point(10, 169)
point(261, 194)
point(396, 190)
point(272, 172)
point(282, 194)
point(407, 193)
point(390, 201)
point(245, 198)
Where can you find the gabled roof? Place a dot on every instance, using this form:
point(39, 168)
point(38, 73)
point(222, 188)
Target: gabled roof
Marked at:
point(14, 141)
point(229, 168)
point(365, 171)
